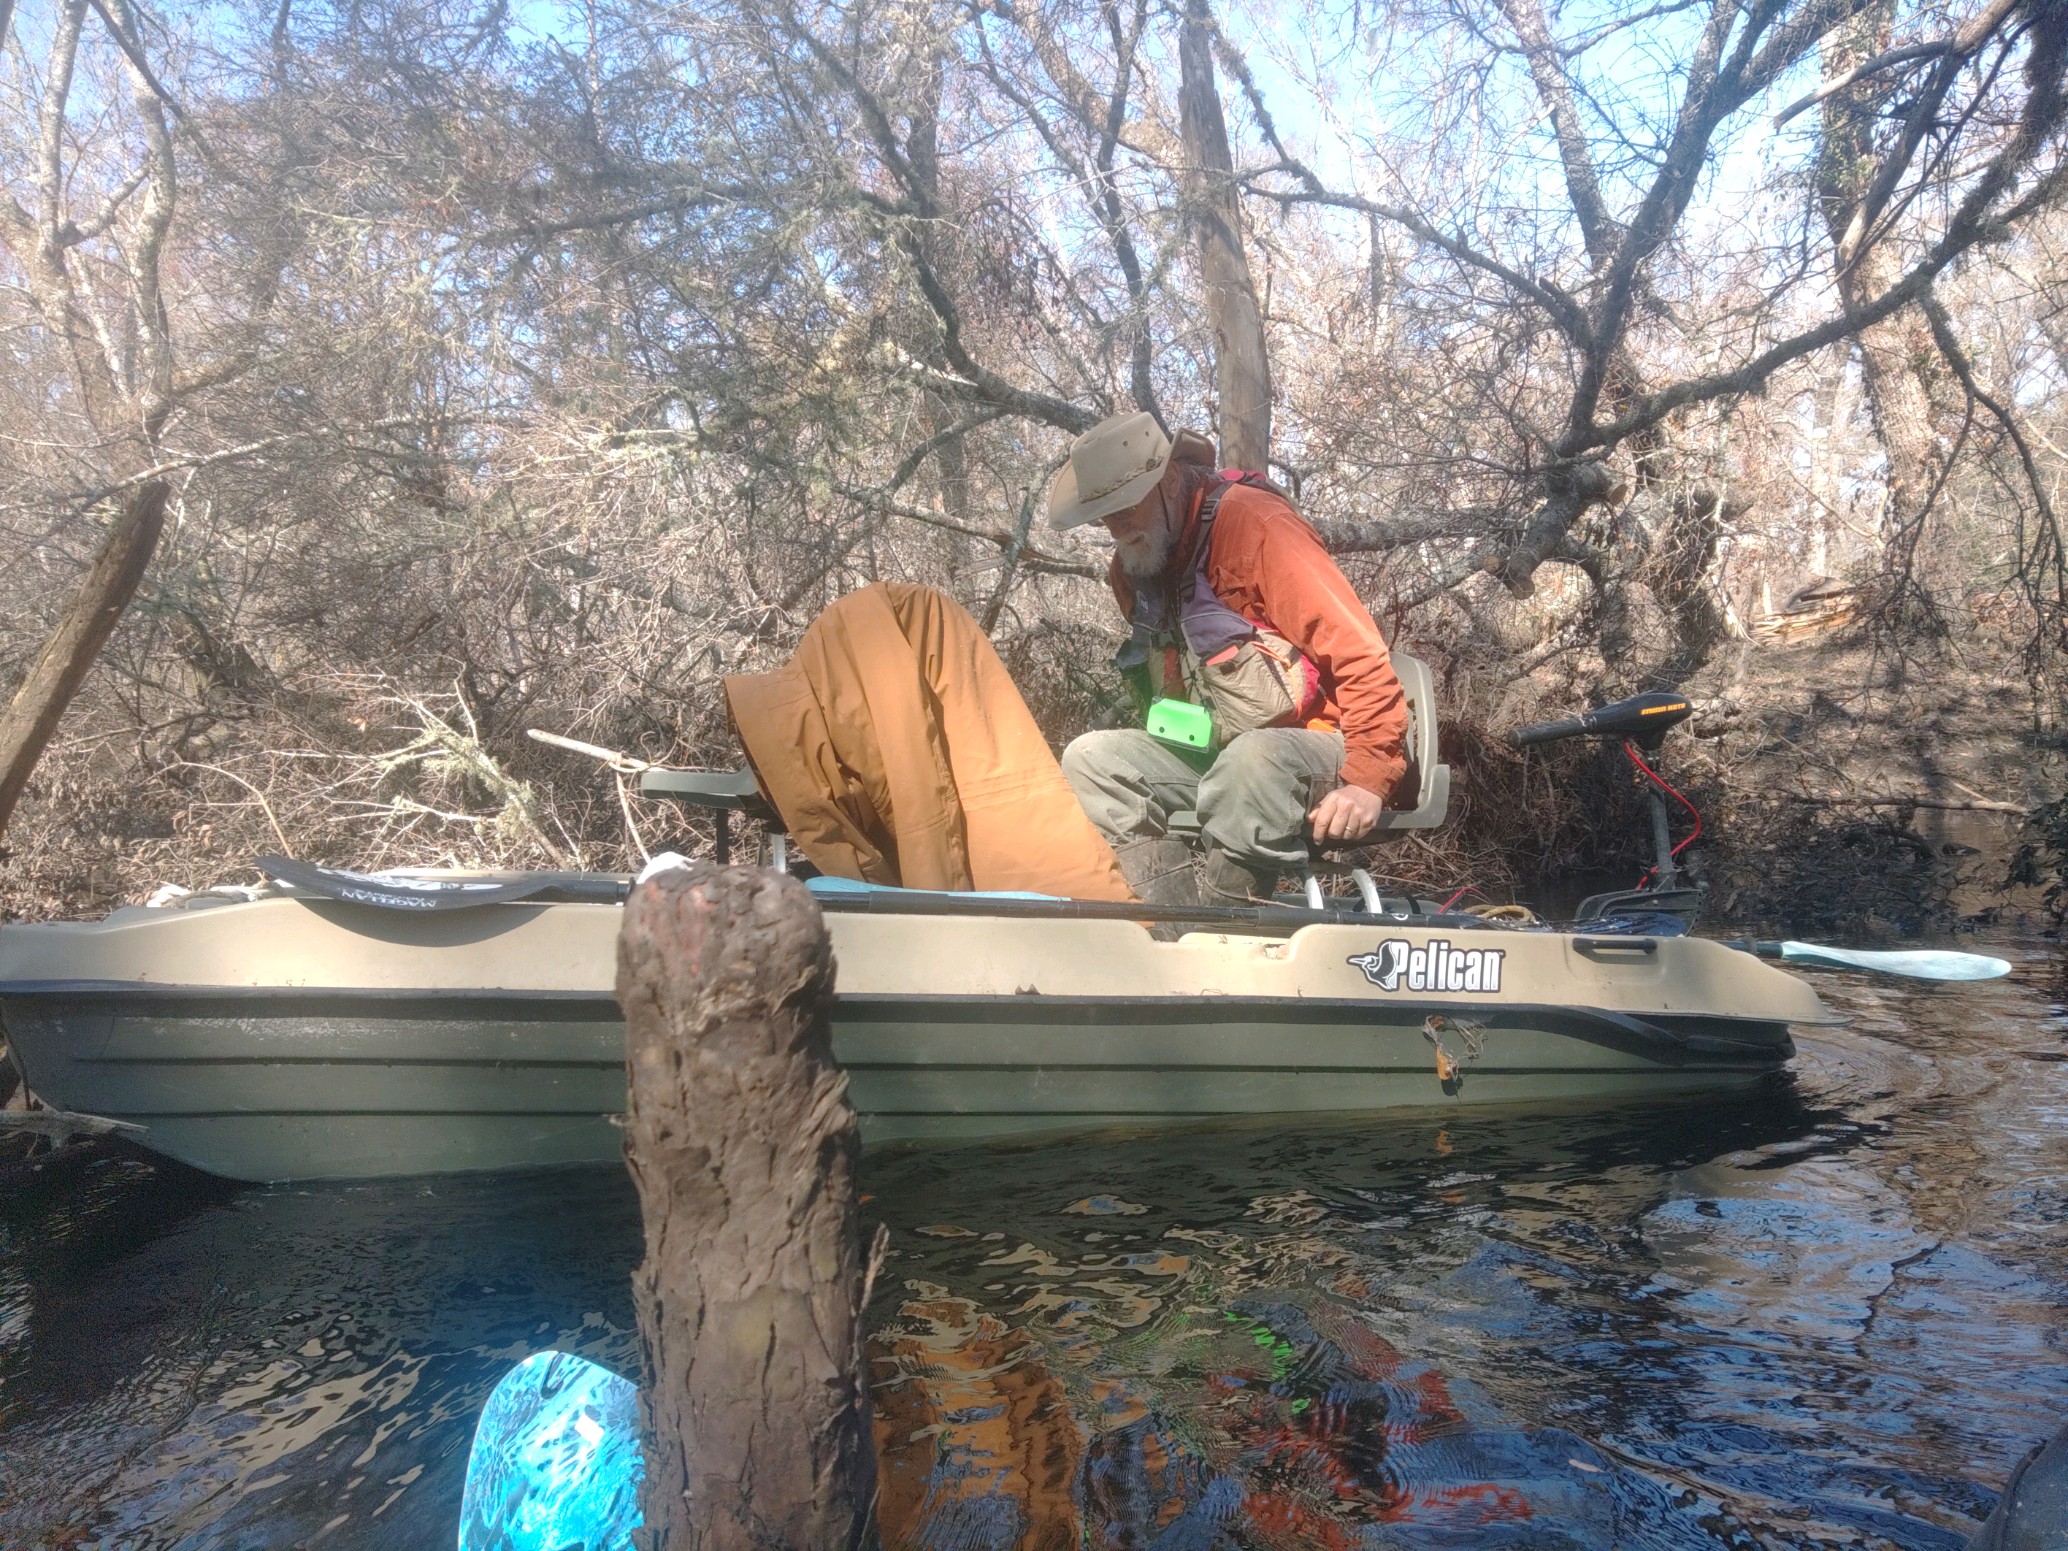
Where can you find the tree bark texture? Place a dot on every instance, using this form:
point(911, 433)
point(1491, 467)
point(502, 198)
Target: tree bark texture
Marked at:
point(951, 457)
point(1897, 358)
point(743, 1147)
point(110, 582)
point(1834, 405)
point(1242, 369)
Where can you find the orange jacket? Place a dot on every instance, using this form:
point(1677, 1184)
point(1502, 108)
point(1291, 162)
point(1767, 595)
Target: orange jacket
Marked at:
point(1269, 566)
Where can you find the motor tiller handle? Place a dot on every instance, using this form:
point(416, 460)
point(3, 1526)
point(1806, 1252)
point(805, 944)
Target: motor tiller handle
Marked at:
point(1548, 732)
point(1642, 717)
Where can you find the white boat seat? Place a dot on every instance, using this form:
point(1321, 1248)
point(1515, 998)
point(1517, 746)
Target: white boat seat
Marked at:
point(1427, 779)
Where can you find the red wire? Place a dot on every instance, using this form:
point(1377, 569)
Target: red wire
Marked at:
point(1467, 889)
point(1665, 786)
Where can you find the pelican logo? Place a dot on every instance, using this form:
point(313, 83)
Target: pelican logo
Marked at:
point(1397, 965)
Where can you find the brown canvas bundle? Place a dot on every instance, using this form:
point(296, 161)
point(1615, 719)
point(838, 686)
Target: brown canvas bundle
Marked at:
point(898, 751)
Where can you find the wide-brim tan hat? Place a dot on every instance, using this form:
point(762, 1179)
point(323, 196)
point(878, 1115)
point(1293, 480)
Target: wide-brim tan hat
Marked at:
point(1111, 467)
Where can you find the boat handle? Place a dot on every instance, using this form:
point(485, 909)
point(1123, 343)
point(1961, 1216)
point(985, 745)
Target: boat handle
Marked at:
point(1616, 944)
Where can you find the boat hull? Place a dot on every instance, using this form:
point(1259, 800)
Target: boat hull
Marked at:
point(292, 1040)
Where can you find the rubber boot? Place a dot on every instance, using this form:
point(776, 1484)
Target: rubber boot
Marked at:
point(1226, 881)
point(1159, 870)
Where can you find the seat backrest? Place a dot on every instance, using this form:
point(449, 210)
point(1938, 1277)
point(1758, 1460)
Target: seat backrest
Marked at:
point(721, 789)
point(1430, 779)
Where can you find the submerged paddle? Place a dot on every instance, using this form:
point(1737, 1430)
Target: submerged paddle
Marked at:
point(1918, 963)
point(555, 1460)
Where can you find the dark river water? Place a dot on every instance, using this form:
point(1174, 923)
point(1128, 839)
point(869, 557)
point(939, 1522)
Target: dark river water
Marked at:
point(1832, 1312)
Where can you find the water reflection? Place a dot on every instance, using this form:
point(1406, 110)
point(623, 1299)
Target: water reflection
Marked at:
point(1210, 1361)
point(1827, 1312)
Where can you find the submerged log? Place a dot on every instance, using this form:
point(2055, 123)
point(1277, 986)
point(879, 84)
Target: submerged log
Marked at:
point(61, 1127)
point(743, 1146)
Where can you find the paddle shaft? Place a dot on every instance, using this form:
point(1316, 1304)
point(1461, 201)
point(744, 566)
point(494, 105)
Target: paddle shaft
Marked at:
point(610, 888)
point(1278, 917)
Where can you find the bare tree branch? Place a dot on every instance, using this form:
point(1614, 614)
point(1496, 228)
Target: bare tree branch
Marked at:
point(1956, 357)
point(1971, 36)
point(1547, 70)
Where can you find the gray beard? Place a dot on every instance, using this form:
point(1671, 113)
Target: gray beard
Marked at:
point(1146, 564)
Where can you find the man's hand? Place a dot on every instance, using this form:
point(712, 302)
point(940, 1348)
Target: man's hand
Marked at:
point(1348, 813)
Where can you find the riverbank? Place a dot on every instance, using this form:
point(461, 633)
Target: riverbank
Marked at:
point(1872, 797)
point(1843, 790)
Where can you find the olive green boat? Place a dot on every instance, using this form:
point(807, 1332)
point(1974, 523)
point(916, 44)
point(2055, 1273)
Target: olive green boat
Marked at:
point(290, 1037)
point(313, 1029)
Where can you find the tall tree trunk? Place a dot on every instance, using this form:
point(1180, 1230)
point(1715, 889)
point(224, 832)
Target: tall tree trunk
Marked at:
point(111, 581)
point(1241, 368)
point(951, 459)
point(743, 1146)
point(1833, 409)
point(1897, 357)
point(121, 368)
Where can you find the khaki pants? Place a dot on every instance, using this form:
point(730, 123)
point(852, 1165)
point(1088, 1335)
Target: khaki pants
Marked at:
point(1252, 799)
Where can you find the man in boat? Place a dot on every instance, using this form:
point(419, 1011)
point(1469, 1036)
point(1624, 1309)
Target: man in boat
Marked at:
point(1236, 611)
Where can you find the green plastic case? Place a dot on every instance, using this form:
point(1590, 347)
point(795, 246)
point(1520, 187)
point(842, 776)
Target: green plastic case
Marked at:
point(1181, 724)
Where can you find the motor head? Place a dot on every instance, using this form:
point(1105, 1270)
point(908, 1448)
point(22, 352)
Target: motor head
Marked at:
point(1641, 718)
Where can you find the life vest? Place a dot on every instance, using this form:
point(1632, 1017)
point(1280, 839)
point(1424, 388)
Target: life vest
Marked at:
point(1185, 643)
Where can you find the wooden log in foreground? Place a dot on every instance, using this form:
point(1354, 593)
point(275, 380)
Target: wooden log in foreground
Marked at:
point(743, 1147)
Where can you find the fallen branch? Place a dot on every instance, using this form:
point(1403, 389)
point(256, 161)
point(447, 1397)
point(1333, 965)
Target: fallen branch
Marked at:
point(1937, 804)
point(110, 582)
point(58, 1126)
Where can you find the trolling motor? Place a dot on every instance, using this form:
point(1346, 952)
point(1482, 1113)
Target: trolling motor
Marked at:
point(1641, 722)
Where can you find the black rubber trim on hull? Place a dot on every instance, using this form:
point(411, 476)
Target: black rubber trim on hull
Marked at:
point(1549, 1017)
point(144, 990)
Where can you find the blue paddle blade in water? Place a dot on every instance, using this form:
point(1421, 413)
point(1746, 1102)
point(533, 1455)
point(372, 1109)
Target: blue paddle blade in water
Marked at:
point(555, 1464)
point(1919, 963)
